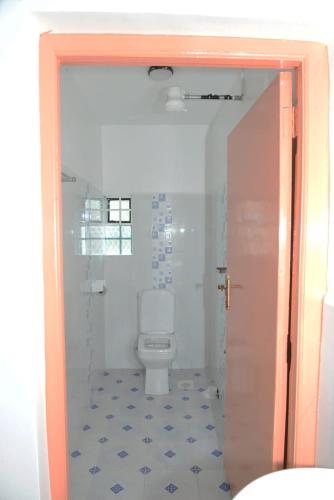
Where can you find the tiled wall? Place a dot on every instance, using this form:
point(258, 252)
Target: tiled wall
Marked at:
point(181, 271)
point(164, 173)
point(84, 310)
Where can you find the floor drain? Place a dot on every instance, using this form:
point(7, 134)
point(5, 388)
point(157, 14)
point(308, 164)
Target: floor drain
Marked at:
point(185, 385)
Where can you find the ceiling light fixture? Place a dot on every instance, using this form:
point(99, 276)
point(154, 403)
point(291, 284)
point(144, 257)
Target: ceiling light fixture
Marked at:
point(160, 73)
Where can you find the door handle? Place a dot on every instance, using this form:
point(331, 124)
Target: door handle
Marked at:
point(227, 288)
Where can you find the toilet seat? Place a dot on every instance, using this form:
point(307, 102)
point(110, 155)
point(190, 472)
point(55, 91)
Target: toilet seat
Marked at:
point(157, 343)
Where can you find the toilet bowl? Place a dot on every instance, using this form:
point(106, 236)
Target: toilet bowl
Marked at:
point(156, 353)
point(156, 341)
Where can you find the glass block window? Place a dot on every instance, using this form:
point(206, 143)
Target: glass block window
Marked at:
point(106, 227)
point(93, 210)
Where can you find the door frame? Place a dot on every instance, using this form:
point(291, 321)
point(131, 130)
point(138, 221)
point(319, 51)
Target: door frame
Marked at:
point(310, 60)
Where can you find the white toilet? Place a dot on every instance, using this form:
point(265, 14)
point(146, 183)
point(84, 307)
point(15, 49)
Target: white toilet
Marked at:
point(156, 341)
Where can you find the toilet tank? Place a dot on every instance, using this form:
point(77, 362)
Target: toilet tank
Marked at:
point(156, 311)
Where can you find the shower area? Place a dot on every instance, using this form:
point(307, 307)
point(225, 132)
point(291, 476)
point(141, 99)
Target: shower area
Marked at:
point(144, 161)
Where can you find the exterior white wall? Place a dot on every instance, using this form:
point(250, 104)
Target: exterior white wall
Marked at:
point(216, 180)
point(23, 456)
point(140, 161)
point(22, 420)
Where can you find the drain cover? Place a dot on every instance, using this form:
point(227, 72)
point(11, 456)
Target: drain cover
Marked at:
point(185, 385)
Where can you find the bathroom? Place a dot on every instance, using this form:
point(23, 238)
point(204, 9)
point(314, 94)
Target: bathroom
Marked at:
point(144, 231)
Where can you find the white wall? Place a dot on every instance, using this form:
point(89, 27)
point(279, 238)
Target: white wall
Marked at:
point(80, 135)
point(140, 161)
point(22, 420)
point(226, 119)
point(84, 311)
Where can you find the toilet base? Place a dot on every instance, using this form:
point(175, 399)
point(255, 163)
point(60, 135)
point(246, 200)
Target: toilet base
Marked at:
point(156, 381)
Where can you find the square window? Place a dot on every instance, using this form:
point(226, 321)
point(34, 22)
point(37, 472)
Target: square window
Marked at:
point(119, 210)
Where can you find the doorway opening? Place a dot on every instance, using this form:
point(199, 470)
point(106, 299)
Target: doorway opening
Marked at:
point(144, 199)
point(106, 228)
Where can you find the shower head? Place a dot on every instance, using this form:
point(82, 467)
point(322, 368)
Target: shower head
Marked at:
point(160, 73)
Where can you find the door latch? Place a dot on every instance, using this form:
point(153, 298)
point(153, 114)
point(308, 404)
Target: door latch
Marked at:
point(227, 289)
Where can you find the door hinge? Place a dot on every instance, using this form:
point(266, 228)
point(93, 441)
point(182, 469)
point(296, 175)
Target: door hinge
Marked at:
point(294, 121)
point(288, 350)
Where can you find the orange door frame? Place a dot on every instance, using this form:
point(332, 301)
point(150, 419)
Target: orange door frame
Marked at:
point(310, 61)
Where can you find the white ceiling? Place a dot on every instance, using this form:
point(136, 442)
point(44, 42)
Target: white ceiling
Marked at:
point(119, 95)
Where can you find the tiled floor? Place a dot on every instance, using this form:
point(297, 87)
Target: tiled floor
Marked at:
point(139, 447)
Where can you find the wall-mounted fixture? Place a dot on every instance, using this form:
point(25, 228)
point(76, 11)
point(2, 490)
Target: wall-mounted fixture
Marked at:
point(67, 178)
point(176, 97)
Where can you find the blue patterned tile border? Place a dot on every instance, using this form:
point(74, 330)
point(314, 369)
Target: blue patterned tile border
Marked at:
point(162, 245)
